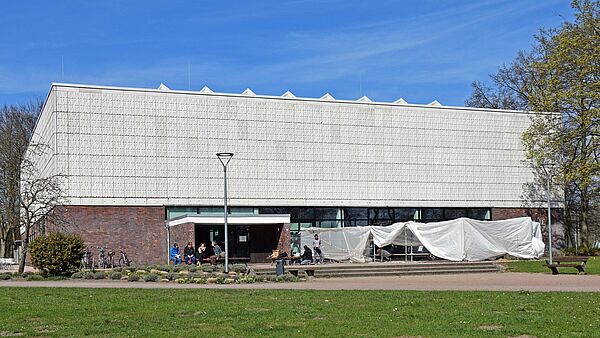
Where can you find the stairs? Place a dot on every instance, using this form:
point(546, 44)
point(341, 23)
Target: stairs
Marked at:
point(340, 270)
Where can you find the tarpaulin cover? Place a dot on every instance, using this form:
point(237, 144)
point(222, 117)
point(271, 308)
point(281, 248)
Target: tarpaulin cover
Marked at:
point(456, 240)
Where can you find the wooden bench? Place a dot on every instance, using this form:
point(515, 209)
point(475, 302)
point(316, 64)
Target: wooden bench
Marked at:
point(234, 260)
point(576, 262)
point(310, 271)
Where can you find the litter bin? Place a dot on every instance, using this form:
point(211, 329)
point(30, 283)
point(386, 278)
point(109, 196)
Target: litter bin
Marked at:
point(17, 249)
point(279, 269)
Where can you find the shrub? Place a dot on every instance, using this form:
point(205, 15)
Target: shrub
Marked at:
point(116, 275)
point(99, 275)
point(221, 279)
point(27, 274)
point(88, 275)
point(5, 276)
point(77, 275)
point(57, 254)
point(34, 277)
point(582, 251)
point(151, 277)
point(117, 269)
point(208, 268)
point(133, 278)
point(56, 278)
point(239, 268)
point(172, 276)
point(288, 277)
point(193, 268)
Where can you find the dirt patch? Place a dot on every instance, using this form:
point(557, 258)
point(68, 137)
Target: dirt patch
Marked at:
point(10, 334)
point(490, 327)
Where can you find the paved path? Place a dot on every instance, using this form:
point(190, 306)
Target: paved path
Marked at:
point(461, 282)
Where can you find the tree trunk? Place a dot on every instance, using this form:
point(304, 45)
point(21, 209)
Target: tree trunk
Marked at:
point(24, 250)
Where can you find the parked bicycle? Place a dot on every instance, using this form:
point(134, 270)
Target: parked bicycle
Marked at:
point(105, 259)
point(124, 260)
point(87, 262)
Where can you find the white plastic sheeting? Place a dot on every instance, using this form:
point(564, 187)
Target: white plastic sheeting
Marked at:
point(456, 240)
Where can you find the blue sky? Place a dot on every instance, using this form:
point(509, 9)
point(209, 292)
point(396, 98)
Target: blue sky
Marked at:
point(418, 50)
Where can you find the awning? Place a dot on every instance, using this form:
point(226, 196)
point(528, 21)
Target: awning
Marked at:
point(231, 219)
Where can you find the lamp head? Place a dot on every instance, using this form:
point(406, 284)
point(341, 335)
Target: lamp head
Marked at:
point(224, 158)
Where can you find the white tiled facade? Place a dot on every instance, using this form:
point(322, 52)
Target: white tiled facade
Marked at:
point(128, 146)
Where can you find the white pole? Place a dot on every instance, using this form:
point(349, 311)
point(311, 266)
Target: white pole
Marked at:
point(549, 217)
point(225, 221)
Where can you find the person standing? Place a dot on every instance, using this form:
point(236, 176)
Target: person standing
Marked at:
point(317, 249)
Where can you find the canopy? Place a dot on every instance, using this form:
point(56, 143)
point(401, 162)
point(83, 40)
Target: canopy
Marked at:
point(461, 239)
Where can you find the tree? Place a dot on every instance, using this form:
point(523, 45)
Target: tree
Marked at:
point(41, 196)
point(16, 127)
point(561, 74)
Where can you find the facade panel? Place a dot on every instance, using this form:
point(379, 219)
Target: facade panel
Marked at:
point(149, 147)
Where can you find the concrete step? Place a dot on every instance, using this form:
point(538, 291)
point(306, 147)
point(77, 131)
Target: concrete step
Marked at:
point(390, 269)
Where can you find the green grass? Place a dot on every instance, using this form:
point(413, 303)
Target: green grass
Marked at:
point(592, 267)
point(295, 313)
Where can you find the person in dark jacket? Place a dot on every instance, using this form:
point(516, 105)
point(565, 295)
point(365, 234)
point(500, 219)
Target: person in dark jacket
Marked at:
point(307, 256)
point(189, 254)
point(202, 255)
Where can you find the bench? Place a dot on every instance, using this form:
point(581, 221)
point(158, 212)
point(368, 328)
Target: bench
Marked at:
point(310, 272)
point(234, 260)
point(6, 263)
point(567, 262)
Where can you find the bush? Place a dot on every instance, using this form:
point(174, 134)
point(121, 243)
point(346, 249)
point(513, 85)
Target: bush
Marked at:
point(581, 251)
point(57, 254)
point(77, 275)
point(99, 275)
point(88, 275)
point(133, 278)
point(27, 274)
point(116, 275)
point(5, 276)
point(151, 277)
point(34, 277)
point(208, 268)
point(239, 268)
point(172, 276)
point(117, 269)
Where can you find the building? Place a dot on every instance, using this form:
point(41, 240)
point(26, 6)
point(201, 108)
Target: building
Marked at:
point(141, 161)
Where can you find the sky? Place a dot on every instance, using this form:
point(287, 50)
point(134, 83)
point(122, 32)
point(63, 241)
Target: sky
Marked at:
point(417, 50)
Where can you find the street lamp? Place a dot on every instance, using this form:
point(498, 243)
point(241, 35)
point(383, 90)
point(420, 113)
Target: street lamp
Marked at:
point(547, 170)
point(225, 158)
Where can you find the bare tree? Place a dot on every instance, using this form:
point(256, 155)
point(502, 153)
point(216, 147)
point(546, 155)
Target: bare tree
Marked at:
point(41, 196)
point(16, 127)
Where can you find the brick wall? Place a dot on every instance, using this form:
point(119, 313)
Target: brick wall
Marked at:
point(140, 231)
point(536, 214)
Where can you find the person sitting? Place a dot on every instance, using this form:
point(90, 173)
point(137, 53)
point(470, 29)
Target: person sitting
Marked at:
point(216, 253)
point(174, 254)
point(273, 256)
point(384, 254)
point(307, 256)
point(202, 254)
point(189, 254)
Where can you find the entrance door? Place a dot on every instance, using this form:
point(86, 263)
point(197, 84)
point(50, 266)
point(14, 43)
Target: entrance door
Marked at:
point(239, 238)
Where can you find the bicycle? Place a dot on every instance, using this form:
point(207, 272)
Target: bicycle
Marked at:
point(124, 260)
point(87, 262)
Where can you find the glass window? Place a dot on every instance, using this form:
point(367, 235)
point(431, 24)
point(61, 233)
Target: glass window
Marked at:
point(275, 210)
point(379, 214)
point(454, 213)
point(327, 213)
point(174, 212)
point(243, 211)
point(211, 211)
point(356, 213)
point(328, 224)
point(294, 226)
point(356, 223)
point(480, 214)
point(405, 214)
point(302, 213)
point(432, 214)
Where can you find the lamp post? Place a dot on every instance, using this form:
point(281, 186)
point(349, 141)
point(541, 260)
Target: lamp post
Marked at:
point(224, 158)
point(547, 169)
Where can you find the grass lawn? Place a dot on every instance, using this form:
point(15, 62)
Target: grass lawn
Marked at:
point(592, 267)
point(293, 313)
